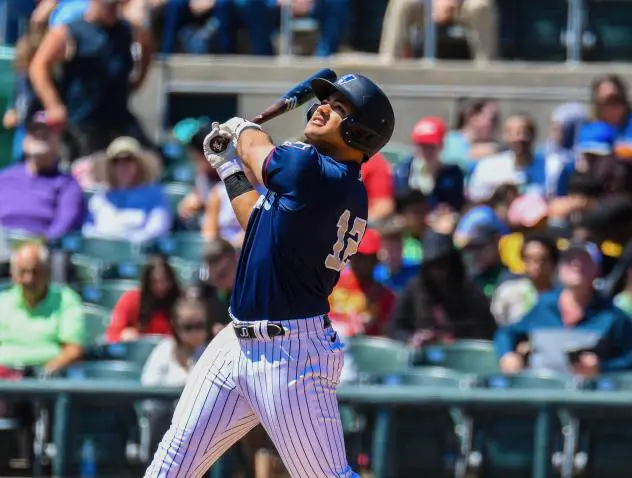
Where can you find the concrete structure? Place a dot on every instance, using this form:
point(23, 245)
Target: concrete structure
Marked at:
point(416, 88)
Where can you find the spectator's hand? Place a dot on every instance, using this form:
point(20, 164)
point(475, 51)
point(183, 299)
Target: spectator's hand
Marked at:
point(511, 363)
point(57, 116)
point(10, 119)
point(130, 334)
point(587, 366)
point(190, 205)
point(421, 338)
point(41, 14)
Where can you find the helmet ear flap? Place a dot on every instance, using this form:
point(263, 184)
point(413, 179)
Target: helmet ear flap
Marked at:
point(311, 110)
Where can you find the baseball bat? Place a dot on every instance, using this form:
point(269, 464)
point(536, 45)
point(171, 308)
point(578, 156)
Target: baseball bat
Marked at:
point(296, 96)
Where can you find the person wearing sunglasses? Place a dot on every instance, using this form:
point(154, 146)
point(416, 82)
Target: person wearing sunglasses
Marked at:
point(172, 359)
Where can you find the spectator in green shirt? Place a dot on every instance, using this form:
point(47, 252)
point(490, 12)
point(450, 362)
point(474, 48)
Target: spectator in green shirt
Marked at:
point(41, 324)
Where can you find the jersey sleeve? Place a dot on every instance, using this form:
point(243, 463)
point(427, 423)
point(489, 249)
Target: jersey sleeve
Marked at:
point(293, 169)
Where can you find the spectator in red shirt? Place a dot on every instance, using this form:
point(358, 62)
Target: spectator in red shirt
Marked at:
point(146, 311)
point(378, 180)
point(359, 304)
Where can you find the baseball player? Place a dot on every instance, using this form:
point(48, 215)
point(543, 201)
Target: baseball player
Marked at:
point(279, 362)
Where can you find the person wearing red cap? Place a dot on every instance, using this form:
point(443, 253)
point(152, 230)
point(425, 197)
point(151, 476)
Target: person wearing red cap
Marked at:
point(441, 183)
point(359, 304)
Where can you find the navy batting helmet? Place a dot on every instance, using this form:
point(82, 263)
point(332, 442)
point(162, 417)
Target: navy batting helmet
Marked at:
point(371, 126)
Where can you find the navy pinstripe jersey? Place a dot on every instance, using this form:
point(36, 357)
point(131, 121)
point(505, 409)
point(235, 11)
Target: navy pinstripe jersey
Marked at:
point(300, 235)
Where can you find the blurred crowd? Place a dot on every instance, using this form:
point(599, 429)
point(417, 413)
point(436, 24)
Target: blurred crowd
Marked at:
point(479, 29)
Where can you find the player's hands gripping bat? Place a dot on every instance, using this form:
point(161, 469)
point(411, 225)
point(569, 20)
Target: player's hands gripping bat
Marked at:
point(297, 96)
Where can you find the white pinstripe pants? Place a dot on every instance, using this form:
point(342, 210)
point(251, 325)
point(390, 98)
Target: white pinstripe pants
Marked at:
point(287, 383)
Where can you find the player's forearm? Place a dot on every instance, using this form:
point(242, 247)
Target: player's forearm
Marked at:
point(253, 147)
point(243, 206)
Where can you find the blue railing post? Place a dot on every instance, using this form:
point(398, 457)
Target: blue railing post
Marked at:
point(285, 36)
point(61, 437)
point(574, 32)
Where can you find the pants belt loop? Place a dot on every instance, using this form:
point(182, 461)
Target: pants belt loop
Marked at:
point(262, 330)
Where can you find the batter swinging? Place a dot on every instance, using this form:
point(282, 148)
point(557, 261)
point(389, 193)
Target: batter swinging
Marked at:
point(280, 361)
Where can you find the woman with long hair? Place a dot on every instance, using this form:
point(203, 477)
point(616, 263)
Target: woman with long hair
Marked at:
point(147, 310)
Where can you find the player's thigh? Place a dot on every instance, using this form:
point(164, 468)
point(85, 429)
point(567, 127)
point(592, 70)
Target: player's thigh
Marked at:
point(211, 415)
point(299, 408)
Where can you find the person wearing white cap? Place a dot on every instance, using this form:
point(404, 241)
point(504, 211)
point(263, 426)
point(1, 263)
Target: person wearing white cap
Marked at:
point(132, 206)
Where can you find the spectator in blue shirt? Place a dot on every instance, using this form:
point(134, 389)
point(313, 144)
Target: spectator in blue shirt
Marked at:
point(612, 106)
point(573, 328)
point(132, 207)
point(424, 171)
point(594, 152)
point(394, 271)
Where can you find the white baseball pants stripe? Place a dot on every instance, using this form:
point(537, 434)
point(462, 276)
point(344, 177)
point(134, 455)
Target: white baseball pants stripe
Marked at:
point(286, 383)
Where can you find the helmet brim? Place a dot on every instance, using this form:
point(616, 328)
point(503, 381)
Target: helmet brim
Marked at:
point(323, 89)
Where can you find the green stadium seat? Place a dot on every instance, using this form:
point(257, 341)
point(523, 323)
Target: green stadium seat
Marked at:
point(175, 192)
point(470, 356)
point(505, 439)
point(606, 434)
point(376, 356)
point(97, 320)
point(186, 271)
point(609, 23)
point(138, 352)
point(415, 441)
point(182, 172)
point(185, 245)
point(5, 284)
point(110, 426)
point(396, 153)
point(108, 292)
point(538, 28)
point(7, 84)
point(95, 258)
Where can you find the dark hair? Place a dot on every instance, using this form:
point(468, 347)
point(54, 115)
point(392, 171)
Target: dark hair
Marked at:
point(545, 240)
point(197, 140)
point(528, 119)
point(456, 274)
point(193, 302)
point(148, 302)
point(408, 197)
point(470, 107)
point(617, 81)
point(505, 193)
point(216, 249)
point(585, 184)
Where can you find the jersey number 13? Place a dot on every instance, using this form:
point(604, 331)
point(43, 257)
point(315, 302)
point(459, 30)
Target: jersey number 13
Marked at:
point(341, 251)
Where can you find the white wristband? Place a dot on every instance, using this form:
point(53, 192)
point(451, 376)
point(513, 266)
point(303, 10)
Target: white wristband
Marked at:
point(229, 168)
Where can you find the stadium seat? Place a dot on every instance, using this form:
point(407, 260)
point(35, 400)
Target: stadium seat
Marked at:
point(7, 85)
point(186, 245)
point(95, 258)
point(505, 439)
point(534, 30)
point(109, 426)
point(97, 319)
point(186, 271)
point(108, 292)
point(5, 284)
point(396, 153)
point(606, 433)
point(376, 356)
point(609, 25)
point(175, 192)
point(181, 172)
point(421, 441)
point(470, 356)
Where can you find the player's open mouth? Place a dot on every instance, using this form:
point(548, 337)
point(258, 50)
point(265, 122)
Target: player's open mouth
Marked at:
point(319, 121)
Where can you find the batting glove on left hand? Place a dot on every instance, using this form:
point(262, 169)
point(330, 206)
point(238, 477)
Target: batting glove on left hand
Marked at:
point(226, 162)
point(238, 125)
